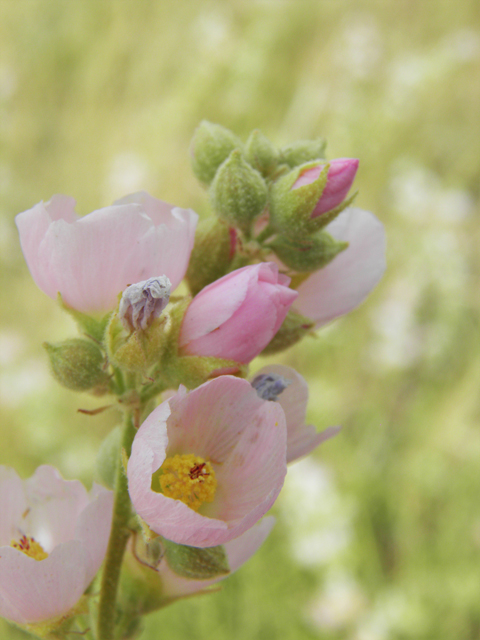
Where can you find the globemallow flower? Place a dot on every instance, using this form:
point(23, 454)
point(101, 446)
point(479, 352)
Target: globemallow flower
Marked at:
point(284, 385)
point(236, 316)
point(346, 281)
point(238, 552)
point(340, 177)
point(208, 464)
point(90, 260)
point(53, 538)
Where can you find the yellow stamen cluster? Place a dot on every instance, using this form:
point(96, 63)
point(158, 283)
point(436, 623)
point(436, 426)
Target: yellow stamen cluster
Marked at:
point(30, 547)
point(188, 478)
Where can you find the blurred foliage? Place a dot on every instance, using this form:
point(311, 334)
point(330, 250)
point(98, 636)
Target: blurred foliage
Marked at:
point(379, 533)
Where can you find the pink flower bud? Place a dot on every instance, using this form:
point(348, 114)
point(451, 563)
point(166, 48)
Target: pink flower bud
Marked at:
point(53, 538)
point(236, 317)
point(228, 447)
point(341, 175)
point(91, 259)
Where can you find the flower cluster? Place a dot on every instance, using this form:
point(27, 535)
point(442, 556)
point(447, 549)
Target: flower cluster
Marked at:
point(204, 449)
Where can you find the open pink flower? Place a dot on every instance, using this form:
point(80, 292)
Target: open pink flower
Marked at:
point(340, 177)
point(293, 398)
point(346, 281)
point(53, 538)
point(216, 460)
point(91, 259)
point(236, 316)
point(238, 552)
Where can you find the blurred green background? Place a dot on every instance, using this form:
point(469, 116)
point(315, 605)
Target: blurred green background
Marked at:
point(378, 533)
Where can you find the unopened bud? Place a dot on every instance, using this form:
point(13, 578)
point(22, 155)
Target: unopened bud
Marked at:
point(270, 385)
point(144, 301)
point(310, 254)
point(238, 192)
point(211, 145)
point(303, 151)
point(212, 254)
point(261, 153)
point(294, 328)
point(77, 364)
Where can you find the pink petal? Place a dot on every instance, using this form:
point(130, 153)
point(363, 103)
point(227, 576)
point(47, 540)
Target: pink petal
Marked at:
point(93, 529)
point(54, 506)
point(31, 590)
point(238, 552)
point(344, 283)
point(12, 504)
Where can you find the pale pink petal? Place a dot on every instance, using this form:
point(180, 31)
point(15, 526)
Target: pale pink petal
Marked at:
point(54, 506)
point(12, 504)
point(93, 529)
point(238, 552)
point(31, 590)
point(344, 283)
point(244, 438)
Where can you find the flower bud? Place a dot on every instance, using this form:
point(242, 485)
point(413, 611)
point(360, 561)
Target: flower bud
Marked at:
point(77, 364)
point(238, 193)
point(211, 145)
point(310, 196)
point(261, 153)
point(144, 301)
point(303, 151)
point(212, 253)
point(294, 328)
point(310, 254)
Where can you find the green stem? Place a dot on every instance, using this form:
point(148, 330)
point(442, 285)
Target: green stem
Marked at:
point(118, 541)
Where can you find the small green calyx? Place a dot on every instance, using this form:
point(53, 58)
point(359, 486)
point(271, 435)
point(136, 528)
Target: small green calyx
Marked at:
point(302, 151)
point(310, 254)
point(294, 328)
point(290, 209)
point(238, 193)
point(78, 364)
point(195, 563)
point(261, 153)
point(211, 145)
point(212, 255)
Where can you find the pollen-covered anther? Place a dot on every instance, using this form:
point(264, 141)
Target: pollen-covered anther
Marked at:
point(30, 547)
point(188, 478)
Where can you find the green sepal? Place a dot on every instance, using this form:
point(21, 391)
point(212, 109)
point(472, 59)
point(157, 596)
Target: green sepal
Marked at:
point(310, 254)
point(238, 193)
point(303, 151)
point(136, 350)
point(261, 153)
point(212, 253)
point(294, 328)
point(211, 145)
point(192, 371)
point(91, 326)
point(196, 563)
point(78, 364)
point(290, 209)
point(107, 458)
point(59, 628)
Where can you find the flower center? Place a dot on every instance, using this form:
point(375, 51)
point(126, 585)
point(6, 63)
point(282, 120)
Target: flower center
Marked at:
point(30, 547)
point(188, 478)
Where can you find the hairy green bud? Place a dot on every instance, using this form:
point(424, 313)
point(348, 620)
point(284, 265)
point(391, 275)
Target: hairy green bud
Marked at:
point(261, 153)
point(195, 563)
point(309, 254)
point(77, 364)
point(303, 151)
point(211, 145)
point(238, 193)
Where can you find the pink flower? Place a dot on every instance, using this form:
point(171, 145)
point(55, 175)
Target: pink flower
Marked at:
point(53, 537)
point(91, 259)
point(216, 458)
point(237, 316)
point(341, 175)
point(346, 281)
point(238, 552)
point(293, 398)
